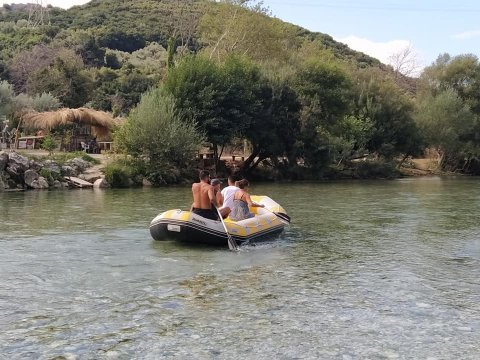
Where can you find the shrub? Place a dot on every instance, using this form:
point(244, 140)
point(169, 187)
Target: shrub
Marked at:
point(118, 175)
point(89, 158)
point(62, 158)
point(164, 176)
point(48, 175)
point(157, 135)
point(49, 144)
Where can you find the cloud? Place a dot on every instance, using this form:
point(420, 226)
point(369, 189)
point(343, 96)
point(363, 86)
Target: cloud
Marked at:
point(379, 50)
point(467, 35)
point(387, 51)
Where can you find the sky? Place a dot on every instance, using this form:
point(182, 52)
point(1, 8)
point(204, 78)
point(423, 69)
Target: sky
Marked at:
point(379, 28)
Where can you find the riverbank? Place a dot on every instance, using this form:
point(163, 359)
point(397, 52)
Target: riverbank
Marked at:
point(22, 171)
point(423, 167)
point(37, 169)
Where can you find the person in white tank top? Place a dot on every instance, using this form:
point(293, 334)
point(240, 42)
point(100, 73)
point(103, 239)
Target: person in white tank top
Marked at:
point(229, 192)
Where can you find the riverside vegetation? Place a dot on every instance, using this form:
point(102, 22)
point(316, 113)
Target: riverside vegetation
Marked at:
point(195, 72)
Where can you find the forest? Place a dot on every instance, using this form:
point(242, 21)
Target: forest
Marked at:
point(185, 73)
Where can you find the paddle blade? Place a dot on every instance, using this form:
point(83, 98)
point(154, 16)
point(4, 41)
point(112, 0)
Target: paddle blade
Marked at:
point(232, 244)
point(283, 216)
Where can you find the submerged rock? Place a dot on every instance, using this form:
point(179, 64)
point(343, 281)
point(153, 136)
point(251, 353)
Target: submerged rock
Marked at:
point(101, 184)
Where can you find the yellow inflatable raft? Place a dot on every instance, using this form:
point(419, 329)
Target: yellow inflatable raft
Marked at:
point(186, 226)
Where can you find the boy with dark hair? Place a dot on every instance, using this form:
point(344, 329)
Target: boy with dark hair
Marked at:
point(204, 197)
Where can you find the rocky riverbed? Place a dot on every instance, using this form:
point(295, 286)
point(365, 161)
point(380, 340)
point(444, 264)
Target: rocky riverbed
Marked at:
point(18, 172)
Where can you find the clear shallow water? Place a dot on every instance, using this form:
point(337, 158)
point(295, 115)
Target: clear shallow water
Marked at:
point(377, 270)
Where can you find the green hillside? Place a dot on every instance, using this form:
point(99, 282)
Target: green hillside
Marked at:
point(129, 25)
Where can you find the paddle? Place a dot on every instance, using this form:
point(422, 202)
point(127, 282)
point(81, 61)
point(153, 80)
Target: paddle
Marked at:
point(232, 245)
point(281, 216)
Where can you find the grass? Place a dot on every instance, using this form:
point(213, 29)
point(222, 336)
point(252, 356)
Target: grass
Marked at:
point(62, 157)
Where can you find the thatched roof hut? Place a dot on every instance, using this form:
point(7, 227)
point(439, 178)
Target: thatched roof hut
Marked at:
point(101, 122)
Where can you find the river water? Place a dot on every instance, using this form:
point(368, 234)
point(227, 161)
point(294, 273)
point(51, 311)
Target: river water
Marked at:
point(367, 270)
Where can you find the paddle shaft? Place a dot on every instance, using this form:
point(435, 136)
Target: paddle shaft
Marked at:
point(232, 245)
point(284, 218)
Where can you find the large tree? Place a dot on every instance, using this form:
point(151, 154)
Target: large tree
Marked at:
point(66, 79)
point(447, 123)
point(461, 73)
point(274, 130)
point(325, 92)
point(391, 111)
point(449, 110)
point(220, 98)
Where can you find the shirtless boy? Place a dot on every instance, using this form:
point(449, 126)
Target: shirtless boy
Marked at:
point(204, 199)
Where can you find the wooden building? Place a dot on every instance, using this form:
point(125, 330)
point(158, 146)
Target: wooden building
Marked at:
point(77, 128)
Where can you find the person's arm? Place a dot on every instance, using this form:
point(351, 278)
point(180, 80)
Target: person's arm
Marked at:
point(219, 198)
point(195, 196)
point(211, 196)
point(251, 203)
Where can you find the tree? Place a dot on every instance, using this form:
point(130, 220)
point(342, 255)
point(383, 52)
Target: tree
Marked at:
point(66, 79)
point(150, 60)
point(40, 102)
point(324, 89)
point(119, 91)
point(29, 62)
point(350, 137)
point(6, 98)
point(156, 133)
point(391, 111)
point(85, 44)
point(447, 123)
point(182, 25)
point(274, 130)
point(105, 87)
point(233, 27)
point(405, 68)
point(449, 110)
point(217, 98)
point(183, 20)
point(129, 88)
point(404, 62)
point(119, 40)
point(461, 73)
